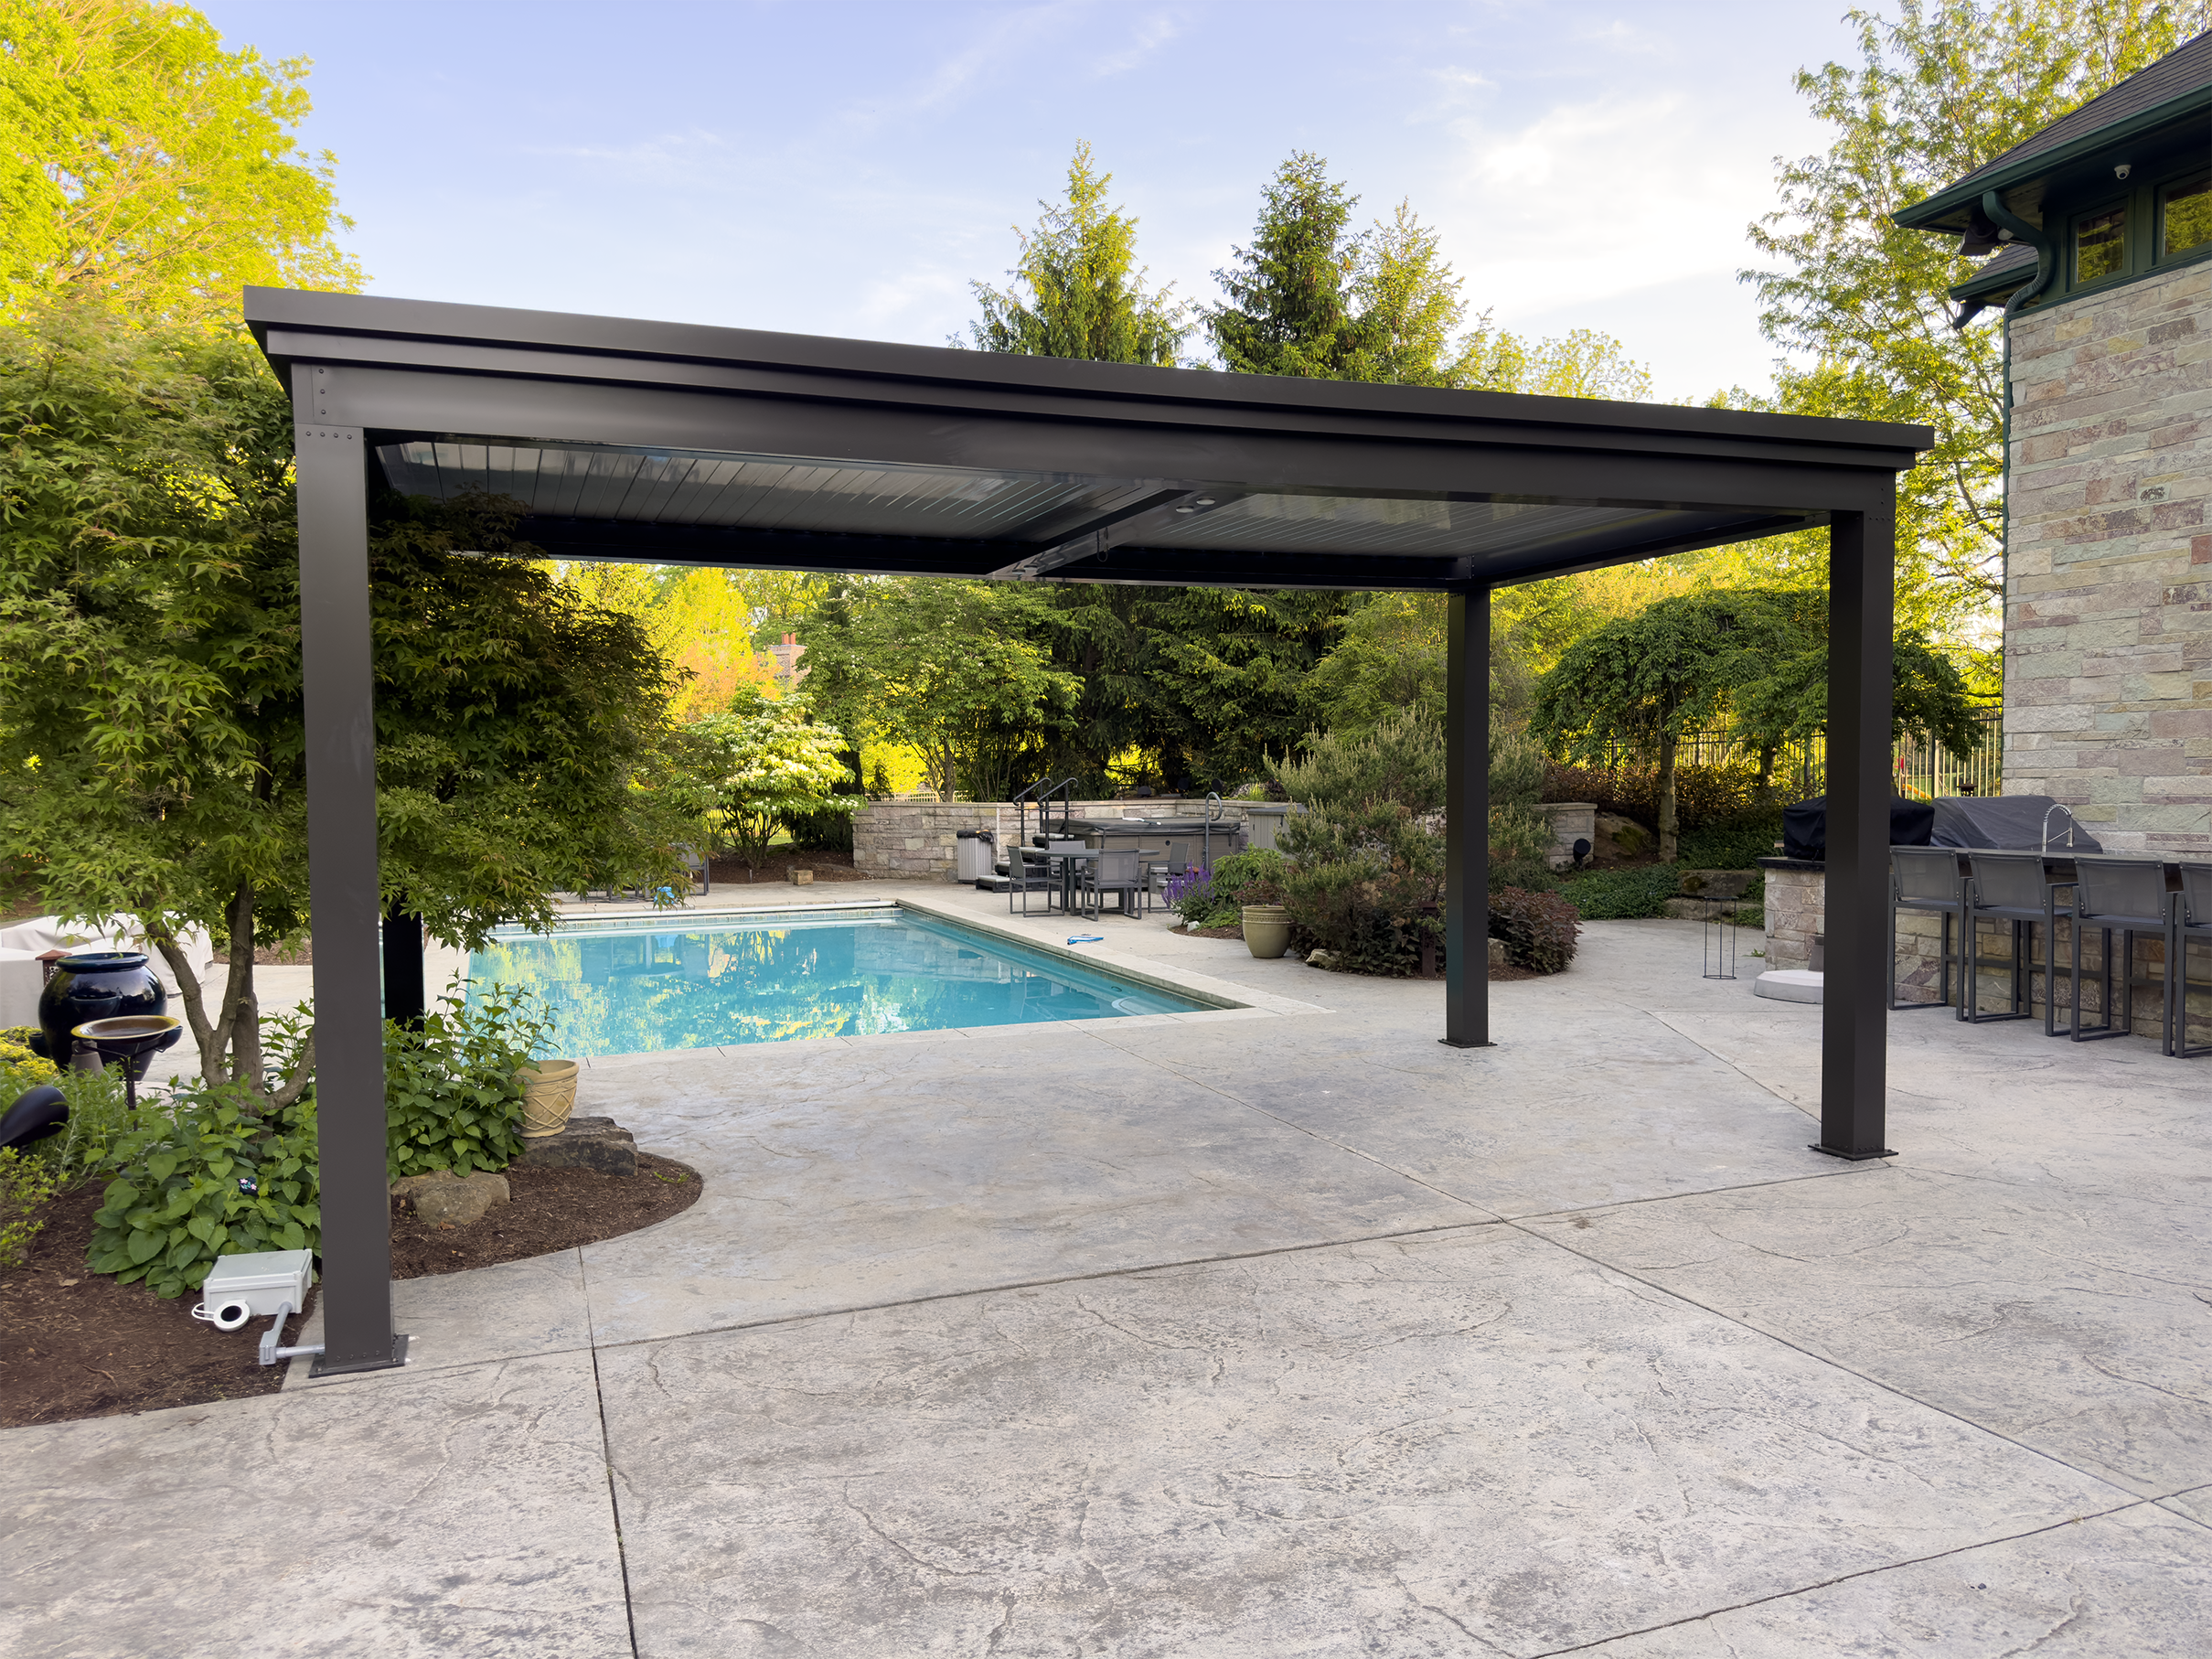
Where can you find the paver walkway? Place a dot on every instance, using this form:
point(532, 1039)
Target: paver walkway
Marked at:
point(1288, 1331)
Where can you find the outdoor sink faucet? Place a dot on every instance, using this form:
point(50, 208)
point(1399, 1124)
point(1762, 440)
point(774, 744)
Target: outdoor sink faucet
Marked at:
point(2059, 807)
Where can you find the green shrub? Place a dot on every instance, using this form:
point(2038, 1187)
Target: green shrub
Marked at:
point(25, 1185)
point(1538, 928)
point(200, 1178)
point(1617, 895)
point(451, 1099)
point(1703, 795)
point(1733, 842)
point(99, 1116)
point(819, 832)
point(1364, 863)
point(1239, 872)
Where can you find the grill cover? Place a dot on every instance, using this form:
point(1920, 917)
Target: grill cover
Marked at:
point(1805, 826)
point(2010, 823)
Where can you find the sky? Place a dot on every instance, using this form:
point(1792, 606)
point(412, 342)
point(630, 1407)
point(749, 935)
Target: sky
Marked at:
point(850, 169)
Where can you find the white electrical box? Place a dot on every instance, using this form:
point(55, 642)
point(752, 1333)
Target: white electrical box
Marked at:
point(265, 1281)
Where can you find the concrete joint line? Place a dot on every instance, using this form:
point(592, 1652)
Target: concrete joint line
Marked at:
point(1864, 1572)
point(607, 1453)
point(1836, 1364)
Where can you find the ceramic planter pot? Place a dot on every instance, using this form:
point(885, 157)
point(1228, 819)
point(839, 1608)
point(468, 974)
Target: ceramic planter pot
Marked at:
point(549, 1096)
point(96, 984)
point(1266, 930)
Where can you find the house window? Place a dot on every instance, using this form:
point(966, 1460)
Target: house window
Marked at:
point(2100, 245)
point(2185, 216)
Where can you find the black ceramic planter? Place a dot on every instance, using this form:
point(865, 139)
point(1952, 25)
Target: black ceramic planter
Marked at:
point(95, 985)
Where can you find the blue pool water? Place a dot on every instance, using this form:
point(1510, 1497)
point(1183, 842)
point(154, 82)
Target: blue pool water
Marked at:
point(626, 987)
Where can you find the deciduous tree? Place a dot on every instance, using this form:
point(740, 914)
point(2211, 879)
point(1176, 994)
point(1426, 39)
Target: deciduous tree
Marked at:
point(1938, 90)
point(147, 169)
point(150, 726)
point(767, 760)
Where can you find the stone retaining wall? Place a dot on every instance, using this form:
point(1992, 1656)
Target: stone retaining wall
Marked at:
point(1571, 821)
point(916, 841)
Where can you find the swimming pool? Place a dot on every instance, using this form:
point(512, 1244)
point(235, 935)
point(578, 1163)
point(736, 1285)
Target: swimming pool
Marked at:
point(638, 985)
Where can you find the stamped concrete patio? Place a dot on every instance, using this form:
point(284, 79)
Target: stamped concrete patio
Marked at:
point(1280, 1331)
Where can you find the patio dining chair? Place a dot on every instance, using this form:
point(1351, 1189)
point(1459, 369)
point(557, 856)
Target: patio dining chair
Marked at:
point(1030, 870)
point(2009, 887)
point(2127, 896)
point(2192, 919)
point(1925, 881)
point(1117, 874)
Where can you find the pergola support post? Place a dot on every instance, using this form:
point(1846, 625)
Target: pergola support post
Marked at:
point(1467, 823)
point(1854, 1009)
point(404, 999)
point(345, 914)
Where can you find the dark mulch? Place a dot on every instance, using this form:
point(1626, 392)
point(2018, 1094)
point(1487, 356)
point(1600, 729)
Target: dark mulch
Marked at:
point(551, 1210)
point(826, 867)
point(78, 1344)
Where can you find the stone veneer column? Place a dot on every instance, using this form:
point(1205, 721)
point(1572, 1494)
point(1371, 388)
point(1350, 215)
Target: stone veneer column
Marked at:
point(2108, 628)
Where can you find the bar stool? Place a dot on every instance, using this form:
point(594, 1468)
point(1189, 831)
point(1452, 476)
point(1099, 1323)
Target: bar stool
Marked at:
point(1923, 879)
point(2009, 887)
point(2192, 919)
point(2130, 896)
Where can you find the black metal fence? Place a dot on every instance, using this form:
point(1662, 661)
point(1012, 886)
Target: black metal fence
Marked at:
point(1924, 770)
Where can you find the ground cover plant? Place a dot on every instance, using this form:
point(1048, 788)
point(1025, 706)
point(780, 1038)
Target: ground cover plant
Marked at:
point(200, 1178)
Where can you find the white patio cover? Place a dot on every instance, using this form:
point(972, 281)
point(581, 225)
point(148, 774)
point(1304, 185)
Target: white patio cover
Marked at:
point(23, 977)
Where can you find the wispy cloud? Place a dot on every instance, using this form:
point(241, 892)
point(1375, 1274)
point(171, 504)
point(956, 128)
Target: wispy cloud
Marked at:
point(1151, 34)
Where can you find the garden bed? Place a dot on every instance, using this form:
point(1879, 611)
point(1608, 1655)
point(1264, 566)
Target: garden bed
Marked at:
point(81, 1346)
point(726, 871)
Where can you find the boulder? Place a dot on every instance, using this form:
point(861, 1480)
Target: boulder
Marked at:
point(1618, 839)
point(1718, 883)
point(442, 1198)
point(1698, 910)
point(583, 1143)
point(1497, 952)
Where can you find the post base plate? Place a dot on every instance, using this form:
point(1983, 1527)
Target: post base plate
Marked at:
point(323, 1367)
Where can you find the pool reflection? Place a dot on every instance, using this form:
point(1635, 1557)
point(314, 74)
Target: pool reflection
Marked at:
point(638, 991)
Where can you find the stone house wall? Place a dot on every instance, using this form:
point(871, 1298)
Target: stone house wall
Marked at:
point(916, 841)
point(2108, 628)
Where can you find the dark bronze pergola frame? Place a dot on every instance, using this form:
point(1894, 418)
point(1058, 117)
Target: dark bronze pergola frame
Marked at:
point(611, 429)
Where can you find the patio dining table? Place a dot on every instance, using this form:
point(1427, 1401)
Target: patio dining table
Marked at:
point(1073, 858)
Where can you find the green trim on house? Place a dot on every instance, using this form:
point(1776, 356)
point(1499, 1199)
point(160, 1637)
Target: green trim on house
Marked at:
point(1948, 208)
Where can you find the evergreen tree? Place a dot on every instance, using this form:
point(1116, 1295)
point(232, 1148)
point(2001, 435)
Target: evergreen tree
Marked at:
point(1078, 290)
point(1290, 307)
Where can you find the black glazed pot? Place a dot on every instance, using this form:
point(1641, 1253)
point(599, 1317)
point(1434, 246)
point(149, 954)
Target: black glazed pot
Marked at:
point(95, 985)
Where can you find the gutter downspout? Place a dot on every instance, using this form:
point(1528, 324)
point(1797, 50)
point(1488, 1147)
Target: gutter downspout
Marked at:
point(2046, 267)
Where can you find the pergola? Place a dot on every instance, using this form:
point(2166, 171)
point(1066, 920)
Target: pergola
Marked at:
point(680, 445)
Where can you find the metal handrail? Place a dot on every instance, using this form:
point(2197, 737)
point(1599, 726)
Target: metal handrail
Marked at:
point(1041, 792)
